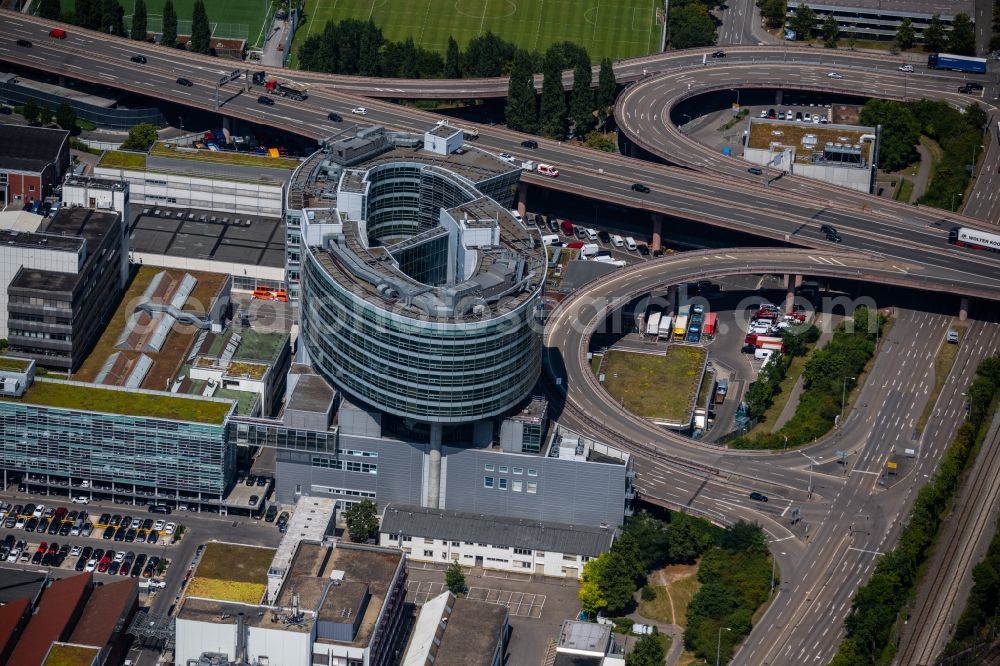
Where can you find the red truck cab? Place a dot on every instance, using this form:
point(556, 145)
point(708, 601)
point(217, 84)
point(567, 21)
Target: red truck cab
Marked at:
point(58, 33)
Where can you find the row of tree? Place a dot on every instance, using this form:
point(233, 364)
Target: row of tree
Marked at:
point(959, 134)
point(936, 37)
point(761, 393)
point(691, 24)
point(735, 580)
point(877, 605)
point(108, 16)
point(829, 372)
point(552, 116)
point(63, 115)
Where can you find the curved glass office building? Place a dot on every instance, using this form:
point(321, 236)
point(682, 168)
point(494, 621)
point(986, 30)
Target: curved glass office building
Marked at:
point(419, 295)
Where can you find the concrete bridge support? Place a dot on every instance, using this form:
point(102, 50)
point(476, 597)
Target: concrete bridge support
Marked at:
point(522, 198)
point(433, 478)
point(779, 96)
point(657, 231)
point(791, 282)
point(963, 309)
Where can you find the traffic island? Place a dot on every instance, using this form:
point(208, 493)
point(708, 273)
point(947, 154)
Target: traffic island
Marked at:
point(661, 387)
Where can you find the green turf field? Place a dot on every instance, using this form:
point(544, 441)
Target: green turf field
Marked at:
point(614, 28)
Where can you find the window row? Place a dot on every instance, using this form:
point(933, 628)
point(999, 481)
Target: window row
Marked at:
point(501, 483)
point(490, 467)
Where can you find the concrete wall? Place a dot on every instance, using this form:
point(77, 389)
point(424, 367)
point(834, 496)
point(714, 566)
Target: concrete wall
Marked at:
point(854, 178)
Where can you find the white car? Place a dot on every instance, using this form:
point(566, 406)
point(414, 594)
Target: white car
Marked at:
point(158, 525)
point(75, 552)
point(506, 157)
point(834, 75)
point(763, 113)
point(905, 68)
point(169, 528)
point(807, 117)
point(81, 500)
point(39, 510)
point(360, 110)
point(548, 170)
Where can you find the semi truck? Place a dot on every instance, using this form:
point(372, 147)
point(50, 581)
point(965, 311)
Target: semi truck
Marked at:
point(666, 327)
point(958, 63)
point(710, 322)
point(974, 239)
point(281, 87)
point(653, 323)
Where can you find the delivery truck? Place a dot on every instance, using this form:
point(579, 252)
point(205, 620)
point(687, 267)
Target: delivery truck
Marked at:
point(958, 63)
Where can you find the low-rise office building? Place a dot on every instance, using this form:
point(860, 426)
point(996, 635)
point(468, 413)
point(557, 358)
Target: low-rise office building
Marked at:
point(452, 631)
point(32, 161)
point(493, 542)
point(587, 644)
point(866, 20)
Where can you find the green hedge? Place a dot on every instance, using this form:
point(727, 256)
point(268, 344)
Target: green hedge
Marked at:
point(877, 604)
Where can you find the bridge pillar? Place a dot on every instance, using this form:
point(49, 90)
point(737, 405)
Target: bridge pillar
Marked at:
point(657, 230)
point(522, 198)
point(963, 309)
point(791, 282)
point(779, 96)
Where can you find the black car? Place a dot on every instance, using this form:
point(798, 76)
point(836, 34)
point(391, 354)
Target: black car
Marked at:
point(529, 143)
point(643, 250)
point(758, 497)
point(65, 529)
point(719, 54)
point(141, 59)
point(147, 524)
point(36, 559)
point(834, 238)
point(604, 236)
point(54, 527)
point(261, 481)
point(335, 117)
point(265, 100)
point(639, 187)
point(81, 563)
point(748, 349)
point(755, 170)
point(24, 42)
point(87, 552)
point(153, 536)
point(120, 533)
point(272, 513)
point(109, 533)
point(130, 536)
point(181, 81)
point(250, 480)
point(827, 229)
point(253, 500)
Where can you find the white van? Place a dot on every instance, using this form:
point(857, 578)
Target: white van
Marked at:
point(630, 244)
point(591, 234)
point(550, 239)
point(763, 355)
point(589, 250)
point(617, 240)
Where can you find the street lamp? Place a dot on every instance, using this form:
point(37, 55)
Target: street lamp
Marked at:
point(718, 645)
point(843, 395)
point(956, 194)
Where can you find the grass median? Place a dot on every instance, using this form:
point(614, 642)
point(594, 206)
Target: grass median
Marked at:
point(943, 362)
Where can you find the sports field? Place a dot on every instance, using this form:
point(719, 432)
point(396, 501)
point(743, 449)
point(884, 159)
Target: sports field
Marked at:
point(613, 28)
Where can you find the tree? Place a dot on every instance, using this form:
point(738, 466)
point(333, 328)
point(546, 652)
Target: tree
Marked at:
point(454, 579)
point(552, 116)
point(617, 582)
point(50, 9)
point(900, 132)
point(690, 26)
point(201, 33)
point(169, 37)
point(803, 21)
point(906, 36)
point(773, 12)
point(995, 38)
point(962, 39)
point(66, 117)
point(830, 32)
point(117, 19)
point(591, 596)
point(522, 102)
point(487, 55)
point(581, 104)
point(935, 37)
point(108, 15)
point(368, 53)
point(31, 111)
point(139, 23)
point(648, 651)
point(452, 62)
point(975, 116)
point(362, 521)
point(81, 13)
point(45, 115)
point(607, 85)
point(141, 137)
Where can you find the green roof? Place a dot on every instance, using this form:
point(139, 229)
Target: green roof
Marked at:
point(257, 346)
point(12, 364)
point(89, 397)
point(65, 654)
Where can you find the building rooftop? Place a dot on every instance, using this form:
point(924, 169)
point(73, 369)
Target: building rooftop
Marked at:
point(199, 234)
point(474, 628)
point(107, 609)
point(808, 138)
point(132, 402)
point(913, 8)
point(453, 525)
point(311, 394)
point(58, 606)
point(11, 614)
point(227, 612)
point(584, 637)
point(12, 364)
point(31, 149)
point(20, 584)
point(69, 654)
point(96, 183)
point(314, 567)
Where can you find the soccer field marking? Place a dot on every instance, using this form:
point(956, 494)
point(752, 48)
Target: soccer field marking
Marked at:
point(538, 28)
point(597, 15)
point(420, 40)
point(266, 25)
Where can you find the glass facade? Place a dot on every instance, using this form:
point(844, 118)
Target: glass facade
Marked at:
point(430, 371)
point(110, 448)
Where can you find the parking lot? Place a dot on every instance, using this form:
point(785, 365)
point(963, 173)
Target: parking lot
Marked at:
point(520, 604)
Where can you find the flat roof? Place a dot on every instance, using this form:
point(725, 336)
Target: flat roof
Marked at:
point(454, 525)
point(474, 629)
point(68, 654)
point(13, 364)
point(96, 183)
point(310, 576)
point(132, 402)
point(312, 393)
point(200, 234)
point(20, 584)
point(914, 8)
point(31, 149)
point(764, 131)
point(216, 612)
point(576, 635)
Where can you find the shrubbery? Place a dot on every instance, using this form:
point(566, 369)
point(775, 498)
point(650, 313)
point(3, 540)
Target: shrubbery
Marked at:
point(876, 604)
point(844, 358)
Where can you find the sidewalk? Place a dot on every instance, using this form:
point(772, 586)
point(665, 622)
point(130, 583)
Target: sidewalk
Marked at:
point(793, 398)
